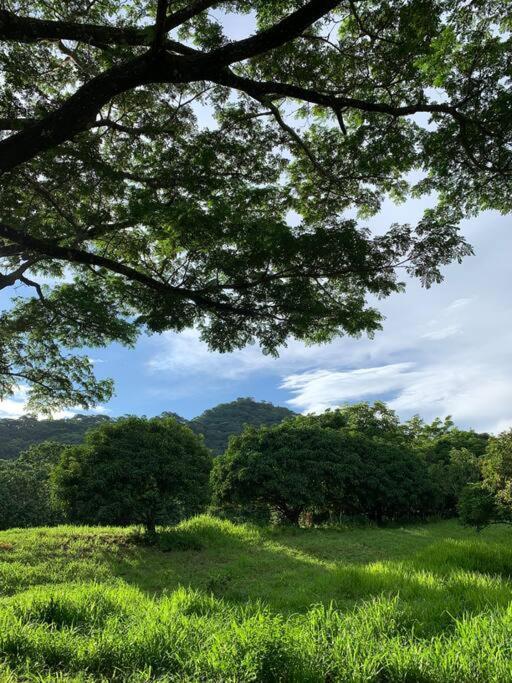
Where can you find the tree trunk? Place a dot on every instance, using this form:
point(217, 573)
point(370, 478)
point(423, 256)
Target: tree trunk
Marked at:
point(150, 527)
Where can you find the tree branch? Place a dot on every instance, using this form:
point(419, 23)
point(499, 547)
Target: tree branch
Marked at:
point(74, 255)
point(285, 30)
point(258, 89)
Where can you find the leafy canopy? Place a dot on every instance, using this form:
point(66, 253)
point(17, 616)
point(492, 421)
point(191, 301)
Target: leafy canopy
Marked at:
point(291, 468)
point(490, 501)
point(156, 174)
point(133, 471)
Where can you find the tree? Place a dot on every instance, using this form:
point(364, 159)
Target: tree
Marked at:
point(490, 502)
point(452, 456)
point(134, 471)
point(25, 499)
point(291, 468)
point(477, 507)
point(143, 216)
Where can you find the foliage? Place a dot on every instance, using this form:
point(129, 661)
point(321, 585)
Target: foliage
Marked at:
point(491, 502)
point(477, 506)
point(422, 603)
point(133, 471)
point(150, 165)
point(370, 420)
point(25, 488)
point(290, 468)
point(301, 466)
point(452, 457)
point(16, 435)
point(219, 423)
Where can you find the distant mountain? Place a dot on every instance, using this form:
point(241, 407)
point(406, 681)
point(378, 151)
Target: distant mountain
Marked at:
point(216, 424)
point(219, 423)
point(17, 435)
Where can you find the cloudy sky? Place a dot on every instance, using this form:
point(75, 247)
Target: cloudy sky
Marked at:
point(443, 351)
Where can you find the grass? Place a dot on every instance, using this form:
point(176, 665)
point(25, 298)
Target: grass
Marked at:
point(223, 602)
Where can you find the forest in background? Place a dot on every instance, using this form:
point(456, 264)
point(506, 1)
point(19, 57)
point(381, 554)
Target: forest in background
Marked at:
point(215, 424)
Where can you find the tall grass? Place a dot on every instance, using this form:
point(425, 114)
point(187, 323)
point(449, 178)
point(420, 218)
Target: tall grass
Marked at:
point(437, 609)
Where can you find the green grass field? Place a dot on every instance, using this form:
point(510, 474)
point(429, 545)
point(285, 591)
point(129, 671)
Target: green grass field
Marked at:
point(221, 602)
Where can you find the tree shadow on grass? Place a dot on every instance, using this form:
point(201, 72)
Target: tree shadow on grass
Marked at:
point(441, 582)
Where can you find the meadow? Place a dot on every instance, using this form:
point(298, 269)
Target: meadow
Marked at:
point(215, 601)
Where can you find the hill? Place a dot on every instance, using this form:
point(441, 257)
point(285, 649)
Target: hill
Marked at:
point(219, 423)
point(17, 435)
point(223, 602)
point(216, 424)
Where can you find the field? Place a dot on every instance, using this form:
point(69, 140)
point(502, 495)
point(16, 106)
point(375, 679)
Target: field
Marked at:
point(221, 602)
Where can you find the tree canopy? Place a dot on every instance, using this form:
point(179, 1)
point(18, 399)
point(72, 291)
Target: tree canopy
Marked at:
point(133, 471)
point(158, 174)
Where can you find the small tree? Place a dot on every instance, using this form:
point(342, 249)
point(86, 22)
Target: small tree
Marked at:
point(477, 507)
point(25, 499)
point(134, 471)
point(291, 468)
point(491, 501)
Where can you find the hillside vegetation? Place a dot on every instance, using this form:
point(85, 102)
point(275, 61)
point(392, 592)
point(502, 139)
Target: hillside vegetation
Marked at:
point(216, 425)
point(222, 602)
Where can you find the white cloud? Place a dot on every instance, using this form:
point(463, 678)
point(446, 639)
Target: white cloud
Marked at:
point(322, 389)
point(443, 351)
point(443, 333)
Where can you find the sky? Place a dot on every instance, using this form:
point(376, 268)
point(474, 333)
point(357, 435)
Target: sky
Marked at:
point(442, 351)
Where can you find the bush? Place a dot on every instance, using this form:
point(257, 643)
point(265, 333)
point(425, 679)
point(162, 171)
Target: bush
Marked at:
point(25, 499)
point(134, 471)
point(291, 468)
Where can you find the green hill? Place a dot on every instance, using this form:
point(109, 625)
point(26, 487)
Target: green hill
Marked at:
point(216, 424)
point(219, 423)
point(17, 435)
point(223, 602)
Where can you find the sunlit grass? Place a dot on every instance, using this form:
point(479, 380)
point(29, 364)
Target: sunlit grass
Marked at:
point(225, 602)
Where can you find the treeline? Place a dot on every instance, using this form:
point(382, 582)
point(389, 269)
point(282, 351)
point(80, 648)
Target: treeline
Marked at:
point(358, 462)
point(216, 425)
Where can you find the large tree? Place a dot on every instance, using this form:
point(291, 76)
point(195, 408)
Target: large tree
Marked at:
point(157, 174)
point(133, 471)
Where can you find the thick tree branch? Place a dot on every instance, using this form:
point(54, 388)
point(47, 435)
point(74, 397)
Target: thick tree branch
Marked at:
point(30, 30)
point(78, 113)
point(285, 30)
point(160, 28)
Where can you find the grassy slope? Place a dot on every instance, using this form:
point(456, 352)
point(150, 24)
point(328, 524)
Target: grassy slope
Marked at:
point(422, 603)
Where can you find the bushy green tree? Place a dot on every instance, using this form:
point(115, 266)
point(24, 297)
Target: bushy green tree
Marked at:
point(452, 457)
point(135, 470)
point(302, 466)
point(477, 506)
point(25, 496)
point(490, 501)
point(291, 468)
